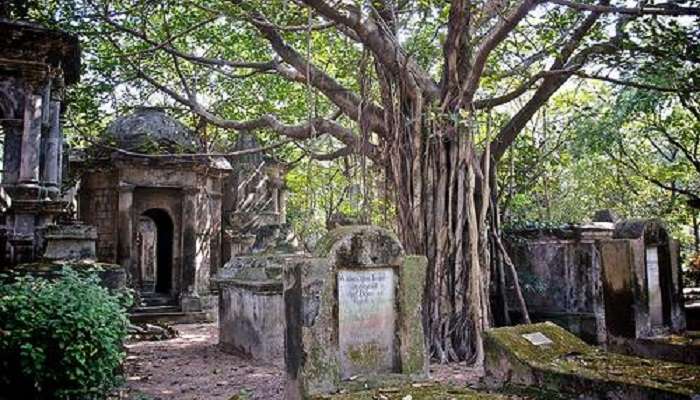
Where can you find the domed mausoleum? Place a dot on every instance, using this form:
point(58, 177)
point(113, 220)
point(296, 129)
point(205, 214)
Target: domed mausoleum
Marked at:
point(150, 128)
point(158, 215)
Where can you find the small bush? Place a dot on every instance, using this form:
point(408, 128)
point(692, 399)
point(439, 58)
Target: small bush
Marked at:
point(60, 338)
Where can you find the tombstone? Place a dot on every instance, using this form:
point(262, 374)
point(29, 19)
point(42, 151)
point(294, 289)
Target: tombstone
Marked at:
point(608, 283)
point(550, 358)
point(160, 218)
point(353, 314)
point(655, 275)
point(251, 307)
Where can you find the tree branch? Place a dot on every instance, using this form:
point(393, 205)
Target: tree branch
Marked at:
point(668, 9)
point(385, 48)
point(550, 84)
point(346, 100)
point(165, 46)
point(493, 39)
point(637, 85)
point(311, 129)
point(517, 92)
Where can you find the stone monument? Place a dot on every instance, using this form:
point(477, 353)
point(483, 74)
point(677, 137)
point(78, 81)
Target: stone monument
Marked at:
point(550, 358)
point(36, 66)
point(353, 313)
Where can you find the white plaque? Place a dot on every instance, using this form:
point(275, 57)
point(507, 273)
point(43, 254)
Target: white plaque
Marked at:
point(366, 318)
point(537, 338)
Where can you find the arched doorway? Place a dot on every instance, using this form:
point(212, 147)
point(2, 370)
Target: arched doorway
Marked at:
point(156, 244)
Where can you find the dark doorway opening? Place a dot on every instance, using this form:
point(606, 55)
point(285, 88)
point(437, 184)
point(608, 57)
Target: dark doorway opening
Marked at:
point(163, 249)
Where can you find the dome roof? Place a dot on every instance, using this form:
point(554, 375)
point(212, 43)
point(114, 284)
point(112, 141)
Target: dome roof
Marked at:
point(150, 129)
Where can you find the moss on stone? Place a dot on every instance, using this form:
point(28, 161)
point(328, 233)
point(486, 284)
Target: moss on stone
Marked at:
point(366, 355)
point(324, 246)
point(414, 355)
point(417, 392)
point(564, 342)
point(569, 355)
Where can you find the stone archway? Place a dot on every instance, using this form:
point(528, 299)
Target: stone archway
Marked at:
point(159, 274)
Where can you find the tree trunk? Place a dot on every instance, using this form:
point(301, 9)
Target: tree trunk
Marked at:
point(442, 206)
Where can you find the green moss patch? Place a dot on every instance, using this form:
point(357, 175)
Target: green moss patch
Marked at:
point(416, 392)
point(569, 355)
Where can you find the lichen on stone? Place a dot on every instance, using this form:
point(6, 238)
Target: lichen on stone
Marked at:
point(416, 392)
point(570, 356)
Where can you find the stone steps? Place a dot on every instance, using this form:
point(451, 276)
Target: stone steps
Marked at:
point(154, 299)
point(157, 301)
point(156, 309)
point(170, 317)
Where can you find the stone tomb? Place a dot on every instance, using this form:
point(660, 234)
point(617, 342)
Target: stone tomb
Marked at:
point(605, 282)
point(550, 358)
point(353, 315)
point(251, 308)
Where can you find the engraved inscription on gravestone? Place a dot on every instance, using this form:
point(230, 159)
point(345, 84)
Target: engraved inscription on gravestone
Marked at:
point(537, 338)
point(367, 318)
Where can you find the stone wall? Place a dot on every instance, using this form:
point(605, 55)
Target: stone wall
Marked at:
point(98, 202)
point(561, 280)
point(593, 279)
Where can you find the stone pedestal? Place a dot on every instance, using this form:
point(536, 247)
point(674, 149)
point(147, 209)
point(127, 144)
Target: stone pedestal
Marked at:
point(69, 242)
point(251, 309)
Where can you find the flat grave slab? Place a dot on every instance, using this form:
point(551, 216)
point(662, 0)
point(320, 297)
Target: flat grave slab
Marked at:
point(419, 392)
point(677, 348)
point(567, 364)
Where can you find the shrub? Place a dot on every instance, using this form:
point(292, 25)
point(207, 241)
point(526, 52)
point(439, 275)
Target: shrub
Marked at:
point(60, 338)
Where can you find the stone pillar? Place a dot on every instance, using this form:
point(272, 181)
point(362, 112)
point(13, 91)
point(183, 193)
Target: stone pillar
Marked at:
point(125, 253)
point(31, 141)
point(11, 153)
point(189, 300)
point(282, 205)
point(52, 149)
point(46, 104)
point(215, 254)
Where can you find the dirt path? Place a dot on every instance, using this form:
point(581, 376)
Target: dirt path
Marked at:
point(192, 367)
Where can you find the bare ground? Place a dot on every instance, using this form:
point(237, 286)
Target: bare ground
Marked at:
point(191, 367)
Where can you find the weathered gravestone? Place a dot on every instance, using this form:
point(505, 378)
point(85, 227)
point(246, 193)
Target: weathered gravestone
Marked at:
point(353, 315)
point(549, 357)
point(251, 310)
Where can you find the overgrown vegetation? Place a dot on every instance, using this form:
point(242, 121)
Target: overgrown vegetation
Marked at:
point(60, 338)
point(442, 119)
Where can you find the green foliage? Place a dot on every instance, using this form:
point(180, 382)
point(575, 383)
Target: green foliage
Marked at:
point(595, 148)
point(61, 338)
point(320, 190)
point(570, 161)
